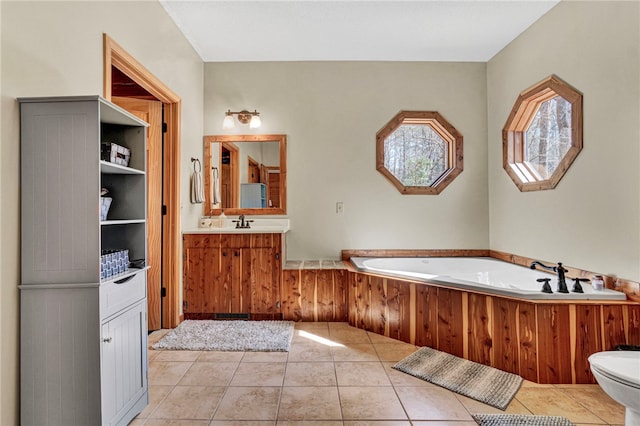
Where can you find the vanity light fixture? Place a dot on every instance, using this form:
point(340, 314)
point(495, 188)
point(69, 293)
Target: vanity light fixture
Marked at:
point(244, 116)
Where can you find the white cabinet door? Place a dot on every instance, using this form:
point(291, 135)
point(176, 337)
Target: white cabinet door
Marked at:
point(124, 363)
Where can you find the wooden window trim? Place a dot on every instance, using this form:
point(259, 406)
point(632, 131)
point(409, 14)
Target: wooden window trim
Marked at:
point(520, 118)
point(444, 129)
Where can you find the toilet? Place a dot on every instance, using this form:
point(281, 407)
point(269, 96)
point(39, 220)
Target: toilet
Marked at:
point(618, 374)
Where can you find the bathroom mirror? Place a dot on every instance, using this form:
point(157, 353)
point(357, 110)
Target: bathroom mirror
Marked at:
point(245, 174)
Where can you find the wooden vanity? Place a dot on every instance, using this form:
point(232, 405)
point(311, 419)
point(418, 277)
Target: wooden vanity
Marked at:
point(232, 275)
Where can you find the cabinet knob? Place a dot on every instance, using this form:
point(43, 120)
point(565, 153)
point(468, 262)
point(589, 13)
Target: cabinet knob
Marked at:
point(107, 339)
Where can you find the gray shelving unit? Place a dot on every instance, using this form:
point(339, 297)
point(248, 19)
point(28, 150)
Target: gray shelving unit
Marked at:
point(83, 341)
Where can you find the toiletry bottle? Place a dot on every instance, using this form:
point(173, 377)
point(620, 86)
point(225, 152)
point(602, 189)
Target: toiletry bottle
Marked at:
point(220, 222)
point(597, 282)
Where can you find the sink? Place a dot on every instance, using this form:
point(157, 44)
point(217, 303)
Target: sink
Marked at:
point(258, 226)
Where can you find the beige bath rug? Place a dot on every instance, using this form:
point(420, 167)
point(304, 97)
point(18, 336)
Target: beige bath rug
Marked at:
point(520, 420)
point(480, 382)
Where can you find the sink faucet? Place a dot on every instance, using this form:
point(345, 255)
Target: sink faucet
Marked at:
point(559, 269)
point(241, 223)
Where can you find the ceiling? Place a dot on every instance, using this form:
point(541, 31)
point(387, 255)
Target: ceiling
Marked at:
point(355, 30)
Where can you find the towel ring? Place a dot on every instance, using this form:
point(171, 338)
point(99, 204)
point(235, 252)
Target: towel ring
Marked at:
point(196, 161)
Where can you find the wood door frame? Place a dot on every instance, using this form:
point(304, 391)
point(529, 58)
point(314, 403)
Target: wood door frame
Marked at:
point(116, 56)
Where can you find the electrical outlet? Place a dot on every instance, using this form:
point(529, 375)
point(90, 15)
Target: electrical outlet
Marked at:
point(339, 207)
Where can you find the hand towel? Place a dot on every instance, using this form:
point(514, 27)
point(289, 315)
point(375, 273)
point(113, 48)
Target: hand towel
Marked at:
point(197, 189)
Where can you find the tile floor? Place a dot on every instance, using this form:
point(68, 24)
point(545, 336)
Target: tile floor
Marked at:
point(333, 375)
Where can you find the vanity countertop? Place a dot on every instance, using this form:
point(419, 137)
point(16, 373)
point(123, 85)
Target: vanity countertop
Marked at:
point(258, 226)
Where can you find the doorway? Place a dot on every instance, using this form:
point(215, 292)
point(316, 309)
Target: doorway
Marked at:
point(125, 77)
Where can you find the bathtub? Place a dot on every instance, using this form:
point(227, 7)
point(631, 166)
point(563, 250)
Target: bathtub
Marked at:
point(483, 274)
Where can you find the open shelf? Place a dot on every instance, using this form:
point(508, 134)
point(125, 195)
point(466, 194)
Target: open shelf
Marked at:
point(112, 168)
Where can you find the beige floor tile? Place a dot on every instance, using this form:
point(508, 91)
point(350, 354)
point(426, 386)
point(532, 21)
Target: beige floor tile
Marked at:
point(309, 352)
point(310, 337)
point(259, 374)
point(156, 396)
point(177, 356)
point(167, 372)
point(399, 378)
point(265, 357)
point(370, 403)
point(309, 403)
point(189, 402)
point(311, 326)
point(379, 338)
point(338, 324)
point(249, 403)
point(552, 402)
point(309, 366)
point(477, 407)
point(598, 402)
point(155, 336)
point(310, 374)
point(220, 356)
point(431, 404)
point(393, 351)
point(348, 335)
point(355, 352)
point(209, 374)
point(351, 373)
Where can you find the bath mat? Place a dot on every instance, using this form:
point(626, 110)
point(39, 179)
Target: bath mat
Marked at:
point(480, 382)
point(520, 420)
point(209, 335)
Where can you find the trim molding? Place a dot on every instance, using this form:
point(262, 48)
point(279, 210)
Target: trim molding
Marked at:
point(116, 56)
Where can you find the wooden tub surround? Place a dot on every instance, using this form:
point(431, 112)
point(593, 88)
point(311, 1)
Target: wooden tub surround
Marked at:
point(543, 341)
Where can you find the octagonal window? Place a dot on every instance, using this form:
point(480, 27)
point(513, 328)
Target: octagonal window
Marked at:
point(419, 152)
point(543, 135)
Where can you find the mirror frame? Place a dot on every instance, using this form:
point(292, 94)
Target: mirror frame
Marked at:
point(208, 140)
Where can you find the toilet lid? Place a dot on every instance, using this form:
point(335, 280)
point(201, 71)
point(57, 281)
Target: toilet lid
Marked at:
point(623, 366)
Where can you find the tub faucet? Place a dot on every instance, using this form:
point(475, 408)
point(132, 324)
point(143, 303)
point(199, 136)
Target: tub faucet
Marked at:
point(559, 269)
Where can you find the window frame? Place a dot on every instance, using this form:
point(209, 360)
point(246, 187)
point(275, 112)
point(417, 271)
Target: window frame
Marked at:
point(444, 129)
point(522, 114)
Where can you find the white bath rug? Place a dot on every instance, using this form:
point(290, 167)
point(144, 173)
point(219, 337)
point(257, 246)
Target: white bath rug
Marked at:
point(209, 335)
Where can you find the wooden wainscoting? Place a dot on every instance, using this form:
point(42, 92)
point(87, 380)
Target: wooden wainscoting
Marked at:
point(541, 341)
point(314, 291)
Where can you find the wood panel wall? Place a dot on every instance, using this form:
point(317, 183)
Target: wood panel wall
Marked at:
point(314, 295)
point(543, 342)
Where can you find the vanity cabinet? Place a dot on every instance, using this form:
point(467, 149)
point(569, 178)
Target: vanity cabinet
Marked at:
point(83, 331)
point(232, 274)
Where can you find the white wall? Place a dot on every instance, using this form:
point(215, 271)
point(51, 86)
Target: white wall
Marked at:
point(55, 48)
point(591, 220)
point(330, 112)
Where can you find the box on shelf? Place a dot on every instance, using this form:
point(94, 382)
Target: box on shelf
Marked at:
point(115, 153)
point(113, 262)
point(105, 203)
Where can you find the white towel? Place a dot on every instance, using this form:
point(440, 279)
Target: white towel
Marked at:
point(197, 189)
point(215, 199)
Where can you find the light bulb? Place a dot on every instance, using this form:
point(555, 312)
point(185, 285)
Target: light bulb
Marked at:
point(228, 122)
point(255, 122)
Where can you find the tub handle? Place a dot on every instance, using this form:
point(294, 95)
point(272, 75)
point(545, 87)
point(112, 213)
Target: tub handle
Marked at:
point(577, 288)
point(546, 287)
